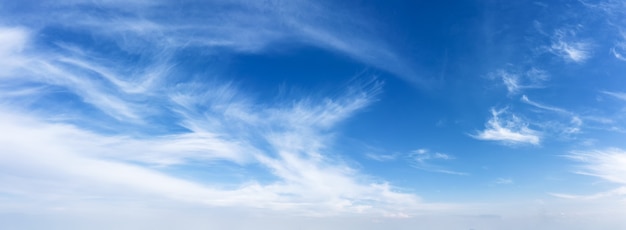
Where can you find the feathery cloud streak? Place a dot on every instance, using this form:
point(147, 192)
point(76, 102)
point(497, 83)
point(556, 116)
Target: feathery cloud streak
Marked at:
point(238, 26)
point(517, 82)
point(567, 46)
point(510, 130)
point(618, 95)
point(308, 180)
point(607, 164)
point(422, 159)
point(91, 118)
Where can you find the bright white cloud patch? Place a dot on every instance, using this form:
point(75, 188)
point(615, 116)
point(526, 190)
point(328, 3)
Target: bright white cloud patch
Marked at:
point(508, 130)
point(13, 40)
point(606, 164)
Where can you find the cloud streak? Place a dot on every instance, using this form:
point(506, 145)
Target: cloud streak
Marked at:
point(607, 164)
point(121, 117)
point(250, 28)
point(308, 181)
point(423, 159)
point(517, 82)
point(619, 49)
point(504, 181)
point(542, 106)
point(575, 122)
point(511, 130)
point(109, 79)
point(618, 95)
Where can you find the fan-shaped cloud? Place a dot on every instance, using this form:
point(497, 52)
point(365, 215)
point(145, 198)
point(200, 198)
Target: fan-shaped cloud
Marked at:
point(510, 130)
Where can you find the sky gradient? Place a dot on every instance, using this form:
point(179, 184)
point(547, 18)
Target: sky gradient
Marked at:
point(461, 114)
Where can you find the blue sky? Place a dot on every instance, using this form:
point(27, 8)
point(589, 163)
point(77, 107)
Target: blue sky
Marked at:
point(313, 114)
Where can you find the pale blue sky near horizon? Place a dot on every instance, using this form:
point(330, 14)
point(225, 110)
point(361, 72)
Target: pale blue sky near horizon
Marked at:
point(463, 114)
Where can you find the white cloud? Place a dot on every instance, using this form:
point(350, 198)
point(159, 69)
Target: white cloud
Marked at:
point(511, 82)
point(504, 181)
point(422, 155)
point(289, 140)
point(511, 130)
point(308, 181)
point(566, 47)
point(574, 124)
point(517, 82)
point(612, 12)
point(542, 106)
point(577, 51)
point(215, 124)
point(13, 41)
point(382, 157)
point(607, 164)
point(424, 159)
point(250, 28)
point(621, 191)
point(619, 49)
point(618, 95)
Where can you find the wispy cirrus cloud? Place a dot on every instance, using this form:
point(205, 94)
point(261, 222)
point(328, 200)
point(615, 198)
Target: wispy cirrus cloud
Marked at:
point(608, 194)
point(618, 95)
point(308, 181)
point(516, 81)
point(504, 181)
point(574, 51)
point(619, 52)
point(382, 157)
point(607, 164)
point(567, 46)
point(124, 116)
point(619, 49)
point(572, 126)
point(112, 86)
point(612, 12)
point(614, 118)
point(526, 100)
point(507, 130)
point(13, 41)
point(424, 159)
point(250, 28)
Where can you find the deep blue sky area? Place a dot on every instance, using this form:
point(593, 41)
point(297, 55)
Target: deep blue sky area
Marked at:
point(464, 114)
